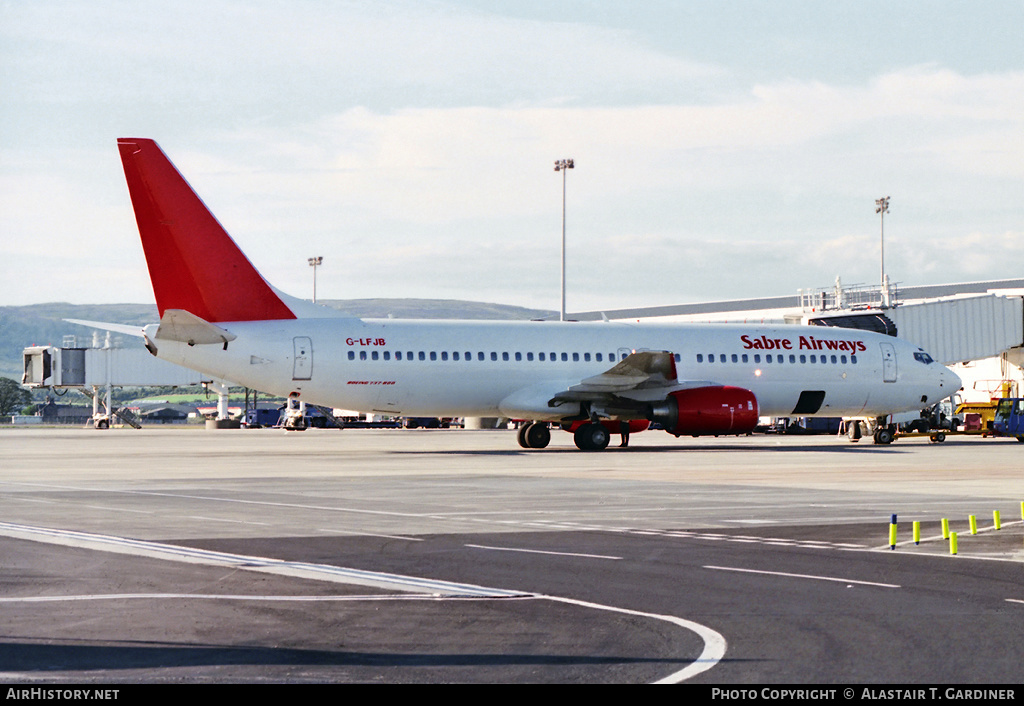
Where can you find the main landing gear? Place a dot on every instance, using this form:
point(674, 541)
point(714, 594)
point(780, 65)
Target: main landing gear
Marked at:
point(592, 437)
point(534, 435)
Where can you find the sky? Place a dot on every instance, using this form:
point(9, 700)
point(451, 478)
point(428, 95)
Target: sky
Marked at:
point(722, 150)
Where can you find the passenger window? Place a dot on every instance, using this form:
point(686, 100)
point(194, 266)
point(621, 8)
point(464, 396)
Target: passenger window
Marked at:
point(423, 356)
point(444, 355)
point(700, 357)
point(374, 355)
point(351, 355)
point(494, 355)
point(362, 355)
point(504, 356)
point(735, 358)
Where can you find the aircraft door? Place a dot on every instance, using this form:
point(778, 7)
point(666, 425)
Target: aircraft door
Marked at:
point(302, 368)
point(888, 362)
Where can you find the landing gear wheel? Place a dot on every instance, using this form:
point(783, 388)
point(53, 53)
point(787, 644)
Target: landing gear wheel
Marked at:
point(537, 435)
point(534, 435)
point(592, 437)
point(521, 434)
point(853, 430)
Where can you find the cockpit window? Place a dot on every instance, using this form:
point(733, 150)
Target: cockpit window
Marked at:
point(923, 357)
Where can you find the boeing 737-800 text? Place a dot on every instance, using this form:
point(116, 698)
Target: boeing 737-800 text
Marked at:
point(219, 316)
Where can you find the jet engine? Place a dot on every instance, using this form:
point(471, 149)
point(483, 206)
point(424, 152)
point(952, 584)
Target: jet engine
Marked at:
point(707, 410)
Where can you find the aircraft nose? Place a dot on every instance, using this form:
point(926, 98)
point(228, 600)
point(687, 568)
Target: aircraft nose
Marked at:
point(949, 381)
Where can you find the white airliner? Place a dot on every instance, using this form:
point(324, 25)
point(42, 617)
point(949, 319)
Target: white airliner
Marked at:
point(219, 316)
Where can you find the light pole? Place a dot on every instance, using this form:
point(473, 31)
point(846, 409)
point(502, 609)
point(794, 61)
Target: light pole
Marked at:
point(315, 262)
point(882, 208)
point(562, 165)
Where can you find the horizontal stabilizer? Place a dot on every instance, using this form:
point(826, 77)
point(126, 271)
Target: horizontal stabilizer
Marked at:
point(180, 325)
point(116, 328)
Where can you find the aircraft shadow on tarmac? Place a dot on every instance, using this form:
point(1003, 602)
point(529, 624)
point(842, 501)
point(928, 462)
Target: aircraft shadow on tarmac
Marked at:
point(33, 657)
point(639, 449)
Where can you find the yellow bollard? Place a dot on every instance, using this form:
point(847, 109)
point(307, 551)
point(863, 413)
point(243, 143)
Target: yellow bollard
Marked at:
point(996, 522)
point(1022, 510)
point(917, 532)
point(974, 524)
point(892, 532)
point(952, 543)
point(945, 528)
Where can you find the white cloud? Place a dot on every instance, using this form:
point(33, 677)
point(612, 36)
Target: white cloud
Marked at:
point(412, 144)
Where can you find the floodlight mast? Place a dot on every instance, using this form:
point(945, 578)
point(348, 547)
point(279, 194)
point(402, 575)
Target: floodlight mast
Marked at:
point(562, 165)
point(315, 262)
point(881, 208)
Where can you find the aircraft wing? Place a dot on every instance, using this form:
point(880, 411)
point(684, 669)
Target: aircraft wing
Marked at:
point(624, 389)
point(641, 370)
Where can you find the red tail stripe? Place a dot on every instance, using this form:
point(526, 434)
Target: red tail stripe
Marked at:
point(193, 263)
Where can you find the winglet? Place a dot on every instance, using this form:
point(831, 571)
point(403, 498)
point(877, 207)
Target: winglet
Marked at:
point(193, 263)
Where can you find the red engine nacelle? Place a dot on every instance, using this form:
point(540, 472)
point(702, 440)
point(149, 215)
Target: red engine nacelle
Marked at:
point(708, 410)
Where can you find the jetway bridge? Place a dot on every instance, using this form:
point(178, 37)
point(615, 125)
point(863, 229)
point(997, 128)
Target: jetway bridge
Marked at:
point(96, 370)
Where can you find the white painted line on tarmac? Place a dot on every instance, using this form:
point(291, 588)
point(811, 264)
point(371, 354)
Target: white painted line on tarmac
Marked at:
point(215, 597)
point(714, 642)
point(356, 533)
point(120, 509)
point(224, 519)
point(804, 576)
point(295, 569)
point(541, 551)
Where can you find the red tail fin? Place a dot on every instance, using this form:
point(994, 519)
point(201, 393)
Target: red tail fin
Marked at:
point(193, 263)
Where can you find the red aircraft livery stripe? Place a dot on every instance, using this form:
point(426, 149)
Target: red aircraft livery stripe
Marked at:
point(193, 263)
